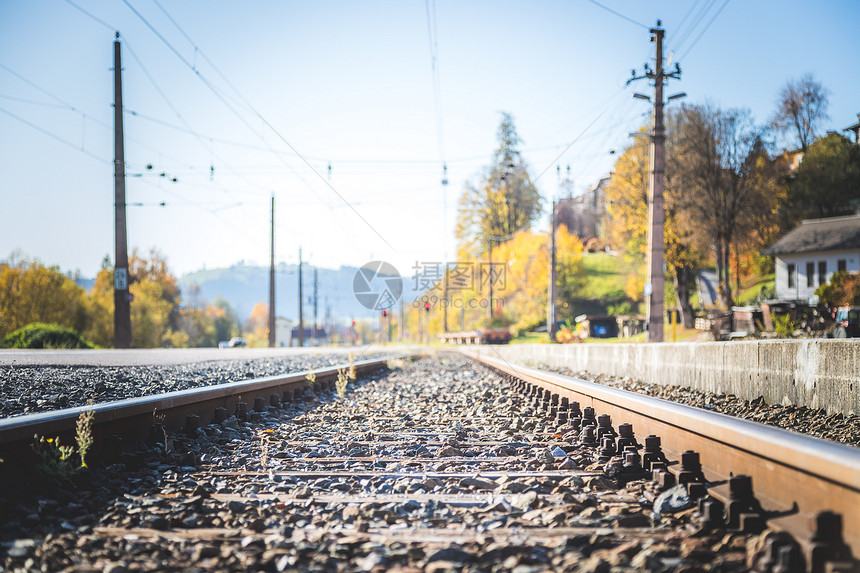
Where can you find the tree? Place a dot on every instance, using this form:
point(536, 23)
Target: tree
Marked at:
point(31, 292)
point(100, 302)
point(827, 183)
point(257, 325)
point(711, 151)
point(503, 202)
point(801, 107)
point(627, 198)
point(843, 289)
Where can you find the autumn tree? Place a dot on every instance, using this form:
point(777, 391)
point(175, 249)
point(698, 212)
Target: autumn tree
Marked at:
point(827, 183)
point(257, 325)
point(32, 292)
point(711, 155)
point(801, 107)
point(154, 308)
point(100, 303)
point(627, 199)
point(627, 204)
point(503, 201)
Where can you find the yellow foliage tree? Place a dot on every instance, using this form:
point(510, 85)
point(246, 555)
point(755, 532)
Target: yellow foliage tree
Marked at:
point(257, 325)
point(31, 292)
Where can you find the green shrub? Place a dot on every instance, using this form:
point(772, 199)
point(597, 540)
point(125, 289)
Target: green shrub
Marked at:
point(783, 325)
point(41, 335)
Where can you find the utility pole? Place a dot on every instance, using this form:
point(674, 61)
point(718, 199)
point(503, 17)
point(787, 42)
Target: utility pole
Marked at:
point(445, 302)
point(654, 289)
point(550, 318)
point(272, 281)
point(316, 299)
point(121, 295)
point(490, 259)
point(301, 304)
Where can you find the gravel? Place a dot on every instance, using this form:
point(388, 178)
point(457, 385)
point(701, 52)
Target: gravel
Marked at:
point(31, 389)
point(435, 466)
point(818, 423)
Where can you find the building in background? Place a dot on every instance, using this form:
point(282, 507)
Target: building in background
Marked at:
point(809, 255)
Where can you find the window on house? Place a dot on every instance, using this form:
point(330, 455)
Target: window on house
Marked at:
point(791, 271)
point(822, 272)
point(810, 274)
point(841, 266)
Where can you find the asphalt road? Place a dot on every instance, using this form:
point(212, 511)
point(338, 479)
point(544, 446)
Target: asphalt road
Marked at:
point(166, 356)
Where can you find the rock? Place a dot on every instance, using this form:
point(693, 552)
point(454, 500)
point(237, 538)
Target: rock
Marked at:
point(449, 452)
point(452, 554)
point(568, 464)
point(524, 501)
point(479, 484)
point(673, 500)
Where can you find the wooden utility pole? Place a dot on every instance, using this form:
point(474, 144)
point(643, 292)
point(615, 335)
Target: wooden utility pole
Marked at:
point(122, 296)
point(316, 299)
point(272, 281)
point(301, 304)
point(550, 315)
point(654, 289)
point(490, 267)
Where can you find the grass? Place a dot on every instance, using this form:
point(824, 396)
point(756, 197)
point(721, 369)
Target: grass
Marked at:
point(606, 276)
point(530, 338)
point(753, 287)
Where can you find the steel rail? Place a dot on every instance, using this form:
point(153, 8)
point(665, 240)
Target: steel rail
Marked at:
point(795, 475)
point(132, 418)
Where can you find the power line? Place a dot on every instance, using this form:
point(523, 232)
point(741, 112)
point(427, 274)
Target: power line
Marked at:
point(55, 136)
point(261, 118)
point(684, 36)
point(92, 16)
point(705, 29)
point(620, 15)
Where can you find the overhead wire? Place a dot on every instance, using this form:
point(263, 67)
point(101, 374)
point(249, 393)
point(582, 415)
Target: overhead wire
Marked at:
point(92, 16)
point(55, 136)
point(685, 34)
point(221, 96)
point(178, 114)
point(705, 29)
point(259, 116)
point(619, 14)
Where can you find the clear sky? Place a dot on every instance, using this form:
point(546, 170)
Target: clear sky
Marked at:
point(240, 100)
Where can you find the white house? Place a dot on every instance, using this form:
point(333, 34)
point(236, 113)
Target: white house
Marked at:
point(808, 255)
point(283, 332)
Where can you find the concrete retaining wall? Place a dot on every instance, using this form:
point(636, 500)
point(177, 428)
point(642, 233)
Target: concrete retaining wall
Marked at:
point(819, 373)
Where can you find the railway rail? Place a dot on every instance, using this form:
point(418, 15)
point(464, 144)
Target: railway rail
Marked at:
point(805, 486)
point(438, 465)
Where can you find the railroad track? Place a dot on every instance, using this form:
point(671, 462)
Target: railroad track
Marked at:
point(440, 465)
point(757, 475)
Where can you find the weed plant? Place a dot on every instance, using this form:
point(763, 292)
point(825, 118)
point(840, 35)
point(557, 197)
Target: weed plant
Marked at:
point(55, 461)
point(340, 384)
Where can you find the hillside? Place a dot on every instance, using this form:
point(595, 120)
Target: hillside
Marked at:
point(244, 286)
point(603, 293)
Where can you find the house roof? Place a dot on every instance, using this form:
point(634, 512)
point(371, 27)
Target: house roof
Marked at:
point(813, 235)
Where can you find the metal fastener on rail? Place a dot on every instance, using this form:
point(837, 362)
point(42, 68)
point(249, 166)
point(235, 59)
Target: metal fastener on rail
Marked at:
point(827, 544)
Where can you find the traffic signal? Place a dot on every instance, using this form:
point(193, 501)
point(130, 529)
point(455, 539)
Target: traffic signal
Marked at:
point(427, 306)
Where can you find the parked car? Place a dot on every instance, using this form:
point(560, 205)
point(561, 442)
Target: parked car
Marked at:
point(496, 335)
point(235, 342)
point(847, 322)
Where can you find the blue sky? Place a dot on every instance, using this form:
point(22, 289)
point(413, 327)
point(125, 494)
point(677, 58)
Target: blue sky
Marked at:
point(297, 86)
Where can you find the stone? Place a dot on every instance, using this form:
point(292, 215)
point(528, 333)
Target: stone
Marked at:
point(673, 500)
point(524, 501)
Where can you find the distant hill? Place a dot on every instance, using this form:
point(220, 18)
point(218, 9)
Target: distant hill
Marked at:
point(244, 286)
